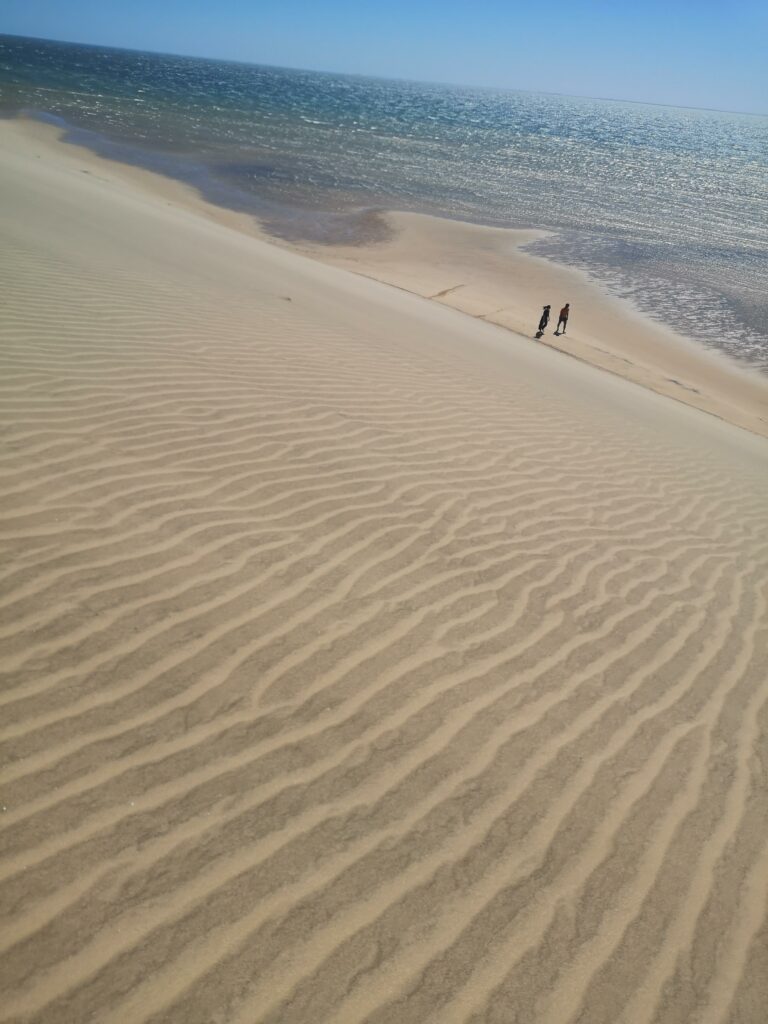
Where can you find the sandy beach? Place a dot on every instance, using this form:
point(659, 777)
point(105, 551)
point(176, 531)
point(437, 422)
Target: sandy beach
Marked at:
point(363, 659)
point(482, 271)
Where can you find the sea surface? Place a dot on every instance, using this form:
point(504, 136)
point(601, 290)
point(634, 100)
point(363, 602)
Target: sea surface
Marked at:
point(667, 206)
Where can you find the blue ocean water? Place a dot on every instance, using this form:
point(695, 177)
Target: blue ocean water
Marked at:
point(668, 206)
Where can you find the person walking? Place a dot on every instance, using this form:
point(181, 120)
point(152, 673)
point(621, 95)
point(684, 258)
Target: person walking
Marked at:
point(543, 321)
point(563, 319)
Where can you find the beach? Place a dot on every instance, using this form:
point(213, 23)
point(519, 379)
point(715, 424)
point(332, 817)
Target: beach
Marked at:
point(483, 272)
point(365, 659)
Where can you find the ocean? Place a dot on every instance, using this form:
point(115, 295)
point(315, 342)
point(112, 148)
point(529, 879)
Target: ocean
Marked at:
point(666, 206)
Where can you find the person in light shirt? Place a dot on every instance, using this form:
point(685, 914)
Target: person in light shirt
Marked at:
point(563, 319)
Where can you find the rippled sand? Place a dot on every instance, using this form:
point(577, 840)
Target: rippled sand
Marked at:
point(362, 661)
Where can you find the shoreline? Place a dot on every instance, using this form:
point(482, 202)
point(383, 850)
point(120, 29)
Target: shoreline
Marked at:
point(482, 271)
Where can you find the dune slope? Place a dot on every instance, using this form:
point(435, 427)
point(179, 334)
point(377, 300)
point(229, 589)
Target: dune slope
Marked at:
point(361, 661)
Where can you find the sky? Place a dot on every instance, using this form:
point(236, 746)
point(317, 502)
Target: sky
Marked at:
point(683, 52)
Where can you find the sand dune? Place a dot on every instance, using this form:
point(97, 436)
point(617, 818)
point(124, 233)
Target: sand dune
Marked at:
point(361, 661)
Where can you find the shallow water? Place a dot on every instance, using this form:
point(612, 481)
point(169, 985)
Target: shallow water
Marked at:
point(668, 206)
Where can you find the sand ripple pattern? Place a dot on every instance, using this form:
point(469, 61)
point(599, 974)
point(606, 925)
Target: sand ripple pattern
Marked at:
point(343, 682)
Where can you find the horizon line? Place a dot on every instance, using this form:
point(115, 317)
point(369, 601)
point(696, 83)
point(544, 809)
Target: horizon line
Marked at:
point(386, 78)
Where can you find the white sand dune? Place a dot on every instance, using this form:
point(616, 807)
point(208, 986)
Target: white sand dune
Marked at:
point(362, 661)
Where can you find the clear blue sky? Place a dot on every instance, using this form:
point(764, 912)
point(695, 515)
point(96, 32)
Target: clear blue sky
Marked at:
point(689, 52)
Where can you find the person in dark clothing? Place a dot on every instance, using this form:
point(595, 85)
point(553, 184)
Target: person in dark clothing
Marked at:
point(544, 320)
point(563, 319)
